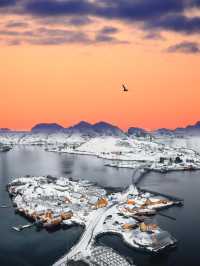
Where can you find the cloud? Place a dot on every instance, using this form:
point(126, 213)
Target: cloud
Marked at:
point(16, 33)
point(56, 7)
point(16, 24)
point(177, 23)
point(80, 21)
point(70, 37)
point(153, 35)
point(109, 30)
point(124, 9)
point(106, 34)
point(153, 17)
point(5, 3)
point(163, 15)
point(103, 38)
point(58, 36)
point(185, 47)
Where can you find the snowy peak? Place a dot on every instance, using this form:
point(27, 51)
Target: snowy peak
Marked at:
point(104, 128)
point(47, 128)
point(164, 132)
point(189, 130)
point(137, 132)
point(180, 131)
point(98, 129)
point(82, 128)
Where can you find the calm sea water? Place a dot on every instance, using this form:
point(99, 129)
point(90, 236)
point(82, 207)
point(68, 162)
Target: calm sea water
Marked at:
point(34, 248)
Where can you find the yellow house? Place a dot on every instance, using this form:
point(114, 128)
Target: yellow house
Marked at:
point(102, 202)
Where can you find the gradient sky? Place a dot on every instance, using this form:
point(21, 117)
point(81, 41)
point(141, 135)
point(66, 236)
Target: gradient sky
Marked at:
point(64, 61)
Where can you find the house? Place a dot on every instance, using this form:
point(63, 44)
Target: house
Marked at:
point(101, 203)
point(131, 202)
point(129, 226)
point(66, 215)
point(147, 227)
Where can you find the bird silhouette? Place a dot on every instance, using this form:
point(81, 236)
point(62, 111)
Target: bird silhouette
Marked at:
point(124, 87)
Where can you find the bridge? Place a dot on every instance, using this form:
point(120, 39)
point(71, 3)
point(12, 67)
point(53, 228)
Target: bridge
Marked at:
point(83, 248)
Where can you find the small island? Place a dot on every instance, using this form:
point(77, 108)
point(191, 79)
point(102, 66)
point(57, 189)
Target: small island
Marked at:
point(51, 202)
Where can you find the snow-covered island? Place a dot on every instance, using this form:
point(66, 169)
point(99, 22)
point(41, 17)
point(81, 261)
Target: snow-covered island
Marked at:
point(52, 202)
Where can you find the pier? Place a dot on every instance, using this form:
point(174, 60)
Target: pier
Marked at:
point(173, 198)
point(22, 227)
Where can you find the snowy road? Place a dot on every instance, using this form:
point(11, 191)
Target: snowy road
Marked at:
point(84, 244)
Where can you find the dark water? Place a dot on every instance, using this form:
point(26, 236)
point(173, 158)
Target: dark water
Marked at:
point(33, 248)
point(186, 228)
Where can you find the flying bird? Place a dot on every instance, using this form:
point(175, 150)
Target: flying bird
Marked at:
point(124, 87)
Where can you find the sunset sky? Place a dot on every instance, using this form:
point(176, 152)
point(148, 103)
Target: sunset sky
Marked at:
point(65, 60)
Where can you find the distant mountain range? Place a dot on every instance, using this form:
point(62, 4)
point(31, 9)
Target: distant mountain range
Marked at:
point(107, 129)
point(180, 131)
point(83, 128)
point(4, 129)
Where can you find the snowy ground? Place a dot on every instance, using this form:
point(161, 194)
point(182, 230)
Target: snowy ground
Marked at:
point(188, 142)
point(133, 153)
point(160, 154)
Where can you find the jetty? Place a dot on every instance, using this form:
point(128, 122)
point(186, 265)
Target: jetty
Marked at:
point(173, 198)
point(22, 227)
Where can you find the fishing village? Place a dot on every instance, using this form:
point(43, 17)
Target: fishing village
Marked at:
point(51, 203)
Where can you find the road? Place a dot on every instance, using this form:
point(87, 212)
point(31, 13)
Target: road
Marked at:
point(84, 244)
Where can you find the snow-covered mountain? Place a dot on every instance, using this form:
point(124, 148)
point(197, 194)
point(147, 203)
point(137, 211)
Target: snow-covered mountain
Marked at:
point(47, 127)
point(189, 130)
point(82, 128)
point(104, 128)
point(164, 132)
point(137, 132)
point(2, 130)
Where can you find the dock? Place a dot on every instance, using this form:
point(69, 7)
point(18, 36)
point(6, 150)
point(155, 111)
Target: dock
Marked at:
point(22, 227)
point(173, 198)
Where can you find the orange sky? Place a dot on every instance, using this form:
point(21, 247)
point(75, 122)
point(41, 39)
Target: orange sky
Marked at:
point(73, 82)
